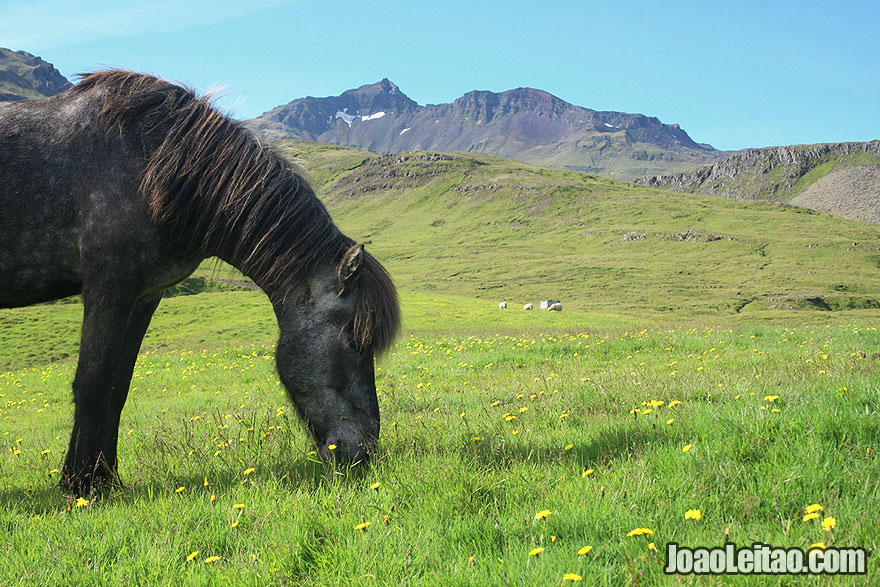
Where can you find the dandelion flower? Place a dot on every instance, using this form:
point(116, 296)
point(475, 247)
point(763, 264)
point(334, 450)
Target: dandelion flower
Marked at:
point(670, 421)
point(814, 508)
point(180, 490)
point(536, 551)
point(363, 526)
point(572, 577)
point(587, 473)
point(673, 403)
point(331, 446)
point(568, 447)
point(693, 515)
point(238, 506)
point(811, 516)
point(192, 555)
point(375, 486)
point(234, 524)
point(652, 547)
point(817, 545)
point(248, 471)
point(687, 447)
point(829, 523)
point(542, 514)
point(81, 502)
point(641, 532)
point(205, 483)
point(212, 559)
point(585, 550)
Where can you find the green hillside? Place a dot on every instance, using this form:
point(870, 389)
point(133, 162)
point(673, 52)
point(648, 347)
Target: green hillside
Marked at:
point(497, 229)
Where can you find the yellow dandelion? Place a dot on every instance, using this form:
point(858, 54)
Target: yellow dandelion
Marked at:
point(331, 446)
point(585, 550)
point(192, 555)
point(829, 523)
point(771, 398)
point(205, 483)
point(493, 404)
point(234, 524)
point(363, 526)
point(475, 438)
point(523, 410)
point(670, 420)
point(587, 473)
point(641, 532)
point(81, 502)
point(811, 516)
point(687, 447)
point(572, 577)
point(817, 545)
point(213, 498)
point(814, 508)
point(180, 490)
point(212, 559)
point(536, 551)
point(693, 515)
point(568, 447)
point(652, 547)
point(673, 403)
point(375, 486)
point(542, 514)
point(238, 506)
point(248, 471)
point(509, 418)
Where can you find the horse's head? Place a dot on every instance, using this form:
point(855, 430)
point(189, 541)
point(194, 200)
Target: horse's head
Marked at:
point(326, 361)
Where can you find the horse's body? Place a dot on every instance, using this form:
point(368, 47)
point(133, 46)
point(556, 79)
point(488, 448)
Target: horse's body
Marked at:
point(119, 188)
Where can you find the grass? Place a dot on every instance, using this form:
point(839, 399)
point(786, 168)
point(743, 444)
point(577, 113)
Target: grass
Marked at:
point(496, 229)
point(484, 426)
point(713, 355)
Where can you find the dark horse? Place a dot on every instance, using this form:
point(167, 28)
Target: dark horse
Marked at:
point(118, 189)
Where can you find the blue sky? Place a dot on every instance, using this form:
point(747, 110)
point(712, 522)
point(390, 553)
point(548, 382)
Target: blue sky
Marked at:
point(732, 74)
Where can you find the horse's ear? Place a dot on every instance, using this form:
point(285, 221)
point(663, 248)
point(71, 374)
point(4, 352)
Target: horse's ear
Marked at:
point(349, 267)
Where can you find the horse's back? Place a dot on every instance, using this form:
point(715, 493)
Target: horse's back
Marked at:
point(70, 200)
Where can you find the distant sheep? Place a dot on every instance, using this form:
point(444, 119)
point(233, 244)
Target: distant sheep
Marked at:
point(528, 307)
point(502, 306)
point(557, 307)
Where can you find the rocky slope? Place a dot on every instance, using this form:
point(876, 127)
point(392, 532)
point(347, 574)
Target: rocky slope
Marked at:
point(834, 177)
point(525, 124)
point(24, 76)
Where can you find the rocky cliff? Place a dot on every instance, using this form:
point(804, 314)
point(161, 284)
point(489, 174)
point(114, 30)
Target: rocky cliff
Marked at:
point(24, 76)
point(841, 178)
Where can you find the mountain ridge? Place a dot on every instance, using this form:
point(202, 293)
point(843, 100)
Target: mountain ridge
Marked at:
point(527, 124)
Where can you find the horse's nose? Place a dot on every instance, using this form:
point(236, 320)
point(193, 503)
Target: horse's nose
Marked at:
point(345, 452)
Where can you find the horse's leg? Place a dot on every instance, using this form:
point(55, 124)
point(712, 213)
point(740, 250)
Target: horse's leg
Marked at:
point(111, 337)
point(131, 344)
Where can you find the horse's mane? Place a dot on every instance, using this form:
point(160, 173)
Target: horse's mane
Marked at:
point(220, 190)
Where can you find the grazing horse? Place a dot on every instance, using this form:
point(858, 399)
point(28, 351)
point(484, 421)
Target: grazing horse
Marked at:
point(118, 189)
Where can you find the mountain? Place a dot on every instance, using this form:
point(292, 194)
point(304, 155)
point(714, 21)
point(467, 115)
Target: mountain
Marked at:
point(480, 226)
point(24, 76)
point(841, 178)
point(524, 124)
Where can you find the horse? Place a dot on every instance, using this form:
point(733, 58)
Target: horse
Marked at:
point(502, 306)
point(528, 307)
point(118, 189)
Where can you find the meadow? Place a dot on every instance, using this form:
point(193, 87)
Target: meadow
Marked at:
point(517, 447)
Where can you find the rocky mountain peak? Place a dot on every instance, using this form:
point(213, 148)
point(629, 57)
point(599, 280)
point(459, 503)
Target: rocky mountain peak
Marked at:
point(24, 76)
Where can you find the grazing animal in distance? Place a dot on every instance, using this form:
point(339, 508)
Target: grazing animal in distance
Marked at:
point(502, 306)
point(528, 307)
point(557, 307)
point(118, 189)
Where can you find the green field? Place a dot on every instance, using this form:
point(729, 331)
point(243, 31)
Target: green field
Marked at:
point(735, 376)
